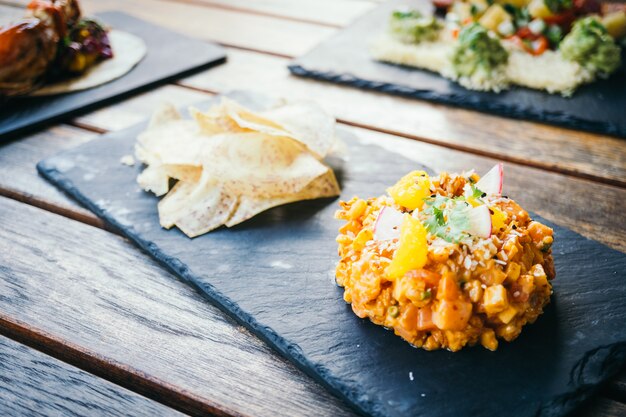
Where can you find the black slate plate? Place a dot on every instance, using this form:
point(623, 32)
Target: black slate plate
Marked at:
point(344, 59)
point(169, 56)
point(275, 275)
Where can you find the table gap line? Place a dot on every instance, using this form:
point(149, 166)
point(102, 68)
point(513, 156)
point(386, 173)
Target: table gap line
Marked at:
point(117, 373)
point(52, 207)
point(519, 161)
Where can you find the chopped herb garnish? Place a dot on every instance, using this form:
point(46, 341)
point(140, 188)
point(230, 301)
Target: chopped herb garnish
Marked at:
point(447, 218)
point(425, 295)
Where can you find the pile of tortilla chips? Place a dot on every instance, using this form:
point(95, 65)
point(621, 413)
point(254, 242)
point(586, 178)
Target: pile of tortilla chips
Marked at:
point(231, 163)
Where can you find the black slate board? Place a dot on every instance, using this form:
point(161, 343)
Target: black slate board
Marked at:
point(169, 56)
point(275, 275)
point(344, 59)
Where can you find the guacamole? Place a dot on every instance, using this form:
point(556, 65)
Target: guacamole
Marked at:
point(590, 45)
point(477, 52)
point(412, 27)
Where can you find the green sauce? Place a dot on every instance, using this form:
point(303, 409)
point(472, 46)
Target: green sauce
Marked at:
point(412, 27)
point(476, 51)
point(590, 45)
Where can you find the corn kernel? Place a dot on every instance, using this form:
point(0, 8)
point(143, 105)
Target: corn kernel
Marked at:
point(512, 271)
point(507, 315)
point(495, 299)
point(488, 339)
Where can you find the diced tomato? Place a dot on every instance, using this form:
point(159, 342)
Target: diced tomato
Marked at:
point(425, 319)
point(430, 278)
point(564, 20)
point(455, 33)
point(525, 33)
point(535, 45)
point(448, 289)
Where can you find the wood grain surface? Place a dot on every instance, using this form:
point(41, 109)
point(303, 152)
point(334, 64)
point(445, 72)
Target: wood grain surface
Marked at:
point(321, 12)
point(104, 307)
point(270, 34)
point(34, 384)
point(581, 154)
point(107, 307)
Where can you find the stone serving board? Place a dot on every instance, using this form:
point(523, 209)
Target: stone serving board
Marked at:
point(169, 56)
point(344, 59)
point(275, 275)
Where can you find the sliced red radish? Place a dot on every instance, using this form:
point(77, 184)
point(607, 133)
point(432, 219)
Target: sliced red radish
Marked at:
point(479, 221)
point(387, 226)
point(491, 182)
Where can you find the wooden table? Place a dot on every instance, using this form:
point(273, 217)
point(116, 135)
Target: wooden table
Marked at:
point(91, 326)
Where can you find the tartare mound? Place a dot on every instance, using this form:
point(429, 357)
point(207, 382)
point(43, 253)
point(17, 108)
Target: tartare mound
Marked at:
point(446, 261)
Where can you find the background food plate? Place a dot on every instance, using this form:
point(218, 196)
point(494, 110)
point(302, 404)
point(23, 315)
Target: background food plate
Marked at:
point(275, 275)
point(345, 59)
point(170, 56)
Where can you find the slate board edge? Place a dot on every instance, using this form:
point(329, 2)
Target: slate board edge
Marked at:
point(298, 68)
point(110, 100)
point(559, 406)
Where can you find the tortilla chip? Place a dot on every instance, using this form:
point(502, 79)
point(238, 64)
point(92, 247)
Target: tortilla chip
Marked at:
point(232, 163)
point(324, 186)
point(258, 164)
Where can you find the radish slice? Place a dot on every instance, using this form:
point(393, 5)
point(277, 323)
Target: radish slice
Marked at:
point(491, 182)
point(387, 226)
point(479, 221)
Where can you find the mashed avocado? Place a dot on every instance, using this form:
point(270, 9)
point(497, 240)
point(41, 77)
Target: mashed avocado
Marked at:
point(412, 27)
point(477, 52)
point(590, 45)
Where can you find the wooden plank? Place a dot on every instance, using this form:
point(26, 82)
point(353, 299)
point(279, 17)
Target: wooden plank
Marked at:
point(585, 155)
point(93, 300)
point(136, 109)
point(278, 36)
point(19, 179)
point(35, 384)
point(18, 176)
point(331, 13)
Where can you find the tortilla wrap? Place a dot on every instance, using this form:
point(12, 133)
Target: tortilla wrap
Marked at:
point(128, 51)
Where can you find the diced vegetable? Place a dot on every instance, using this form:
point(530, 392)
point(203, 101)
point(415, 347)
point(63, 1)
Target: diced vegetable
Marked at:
point(411, 190)
point(539, 9)
point(477, 52)
point(425, 319)
point(515, 3)
point(412, 27)
point(506, 28)
point(498, 219)
point(388, 222)
point(448, 289)
point(537, 26)
point(452, 315)
point(615, 24)
point(494, 17)
point(590, 45)
point(479, 221)
point(413, 249)
point(557, 6)
point(491, 182)
point(495, 299)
